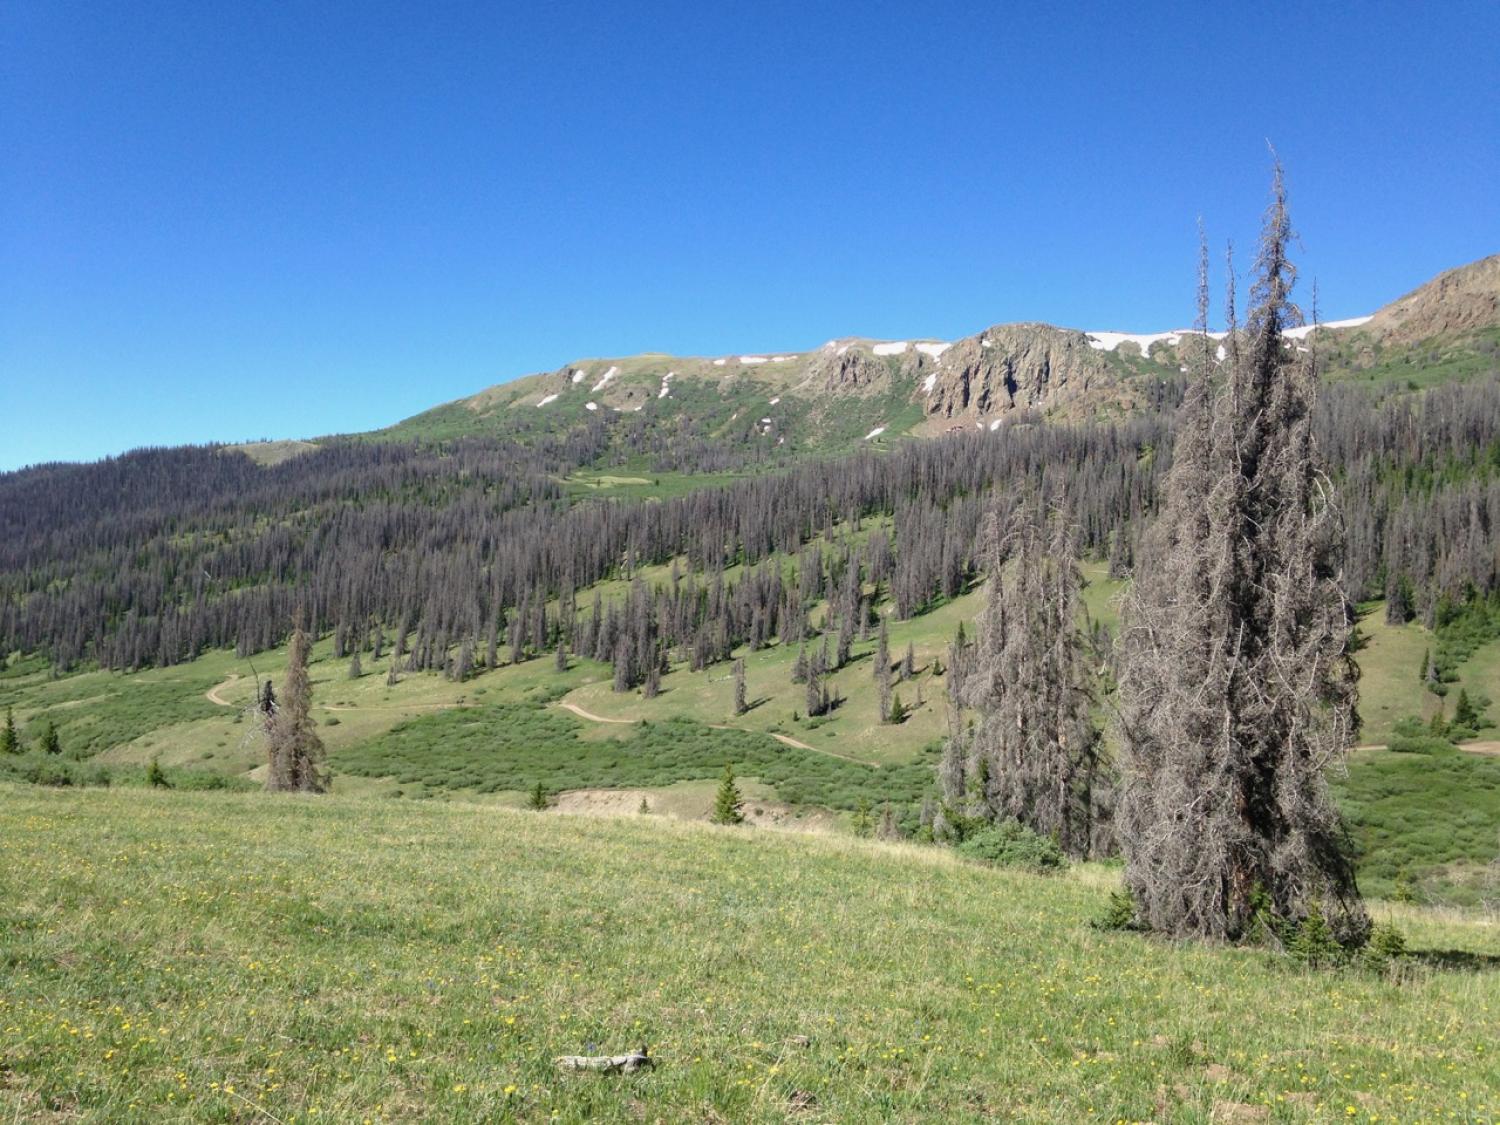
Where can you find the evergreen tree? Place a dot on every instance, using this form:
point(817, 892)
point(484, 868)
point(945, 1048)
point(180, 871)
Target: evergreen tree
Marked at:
point(155, 776)
point(645, 807)
point(50, 742)
point(10, 742)
point(860, 821)
point(898, 711)
point(1237, 687)
point(728, 802)
point(1465, 714)
point(538, 799)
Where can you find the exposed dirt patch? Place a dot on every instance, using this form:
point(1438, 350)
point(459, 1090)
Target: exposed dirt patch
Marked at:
point(213, 696)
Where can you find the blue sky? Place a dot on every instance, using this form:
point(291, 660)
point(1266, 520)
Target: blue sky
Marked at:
point(226, 221)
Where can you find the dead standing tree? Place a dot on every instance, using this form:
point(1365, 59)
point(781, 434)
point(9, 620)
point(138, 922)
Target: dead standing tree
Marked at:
point(1237, 689)
point(1033, 753)
point(293, 749)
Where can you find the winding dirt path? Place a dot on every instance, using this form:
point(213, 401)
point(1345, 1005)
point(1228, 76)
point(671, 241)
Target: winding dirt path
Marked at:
point(213, 696)
point(590, 716)
point(785, 740)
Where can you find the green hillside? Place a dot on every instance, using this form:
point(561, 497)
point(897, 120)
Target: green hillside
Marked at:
point(231, 957)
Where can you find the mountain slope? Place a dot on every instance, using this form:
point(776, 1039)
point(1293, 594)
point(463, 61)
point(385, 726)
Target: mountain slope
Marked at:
point(853, 390)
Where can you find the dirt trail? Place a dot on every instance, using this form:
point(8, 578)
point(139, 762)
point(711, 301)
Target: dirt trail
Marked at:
point(1488, 749)
point(590, 716)
point(785, 740)
point(212, 694)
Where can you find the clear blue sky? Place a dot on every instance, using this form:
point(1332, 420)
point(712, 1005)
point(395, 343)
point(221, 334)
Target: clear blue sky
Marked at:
point(222, 221)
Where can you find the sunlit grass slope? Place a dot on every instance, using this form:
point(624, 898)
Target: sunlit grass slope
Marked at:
point(242, 957)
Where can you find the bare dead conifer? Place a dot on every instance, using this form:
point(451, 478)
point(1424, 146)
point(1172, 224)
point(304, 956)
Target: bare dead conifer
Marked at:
point(1237, 687)
point(1033, 752)
point(295, 750)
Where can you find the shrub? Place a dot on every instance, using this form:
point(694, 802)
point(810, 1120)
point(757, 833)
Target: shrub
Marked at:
point(1011, 844)
point(1312, 942)
point(1119, 913)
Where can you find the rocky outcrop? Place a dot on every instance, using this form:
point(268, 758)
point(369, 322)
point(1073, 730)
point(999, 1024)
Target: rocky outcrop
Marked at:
point(1454, 303)
point(1014, 367)
point(846, 369)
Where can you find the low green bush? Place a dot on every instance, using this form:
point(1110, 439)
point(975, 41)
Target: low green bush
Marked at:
point(1011, 844)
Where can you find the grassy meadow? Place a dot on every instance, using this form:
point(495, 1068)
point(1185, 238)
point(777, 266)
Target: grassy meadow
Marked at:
point(225, 956)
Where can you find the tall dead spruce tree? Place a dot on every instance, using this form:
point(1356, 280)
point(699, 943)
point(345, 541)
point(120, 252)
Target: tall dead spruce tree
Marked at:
point(1032, 754)
point(1237, 690)
point(294, 750)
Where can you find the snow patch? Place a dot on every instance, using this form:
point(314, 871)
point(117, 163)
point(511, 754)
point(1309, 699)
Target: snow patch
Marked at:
point(995, 425)
point(578, 376)
point(1219, 353)
point(720, 362)
point(985, 343)
point(604, 380)
point(591, 406)
point(842, 349)
point(891, 349)
point(549, 398)
point(752, 360)
point(775, 400)
point(929, 382)
point(666, 384)
point(782, 358)
point(1302, 332)
point(765, 421)
point(1109, 341)
point(876, 432)
point(934, 350)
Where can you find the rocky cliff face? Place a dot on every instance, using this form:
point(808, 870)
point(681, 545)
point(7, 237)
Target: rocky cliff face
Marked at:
point(1013, 367)
point(846, 369)
point(1460, 301)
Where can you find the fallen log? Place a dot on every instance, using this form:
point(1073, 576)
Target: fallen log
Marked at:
point(608, 1064)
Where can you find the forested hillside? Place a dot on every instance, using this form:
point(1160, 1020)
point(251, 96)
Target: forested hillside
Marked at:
point(159, 555)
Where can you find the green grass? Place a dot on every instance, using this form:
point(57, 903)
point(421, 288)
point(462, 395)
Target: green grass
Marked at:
point(240, 957)
point(1390, 680)
point(1429, 820)
point(512, 747)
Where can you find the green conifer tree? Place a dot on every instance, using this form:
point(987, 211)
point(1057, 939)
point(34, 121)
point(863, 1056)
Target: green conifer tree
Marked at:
point(10, 742)
point(728, 802)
